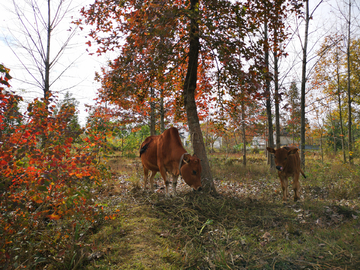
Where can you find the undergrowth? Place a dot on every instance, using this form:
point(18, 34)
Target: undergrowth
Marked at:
point(244, 226)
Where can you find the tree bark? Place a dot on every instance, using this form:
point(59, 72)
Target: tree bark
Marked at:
point(349, 88)
point(321, 148)
point(303, 86)
point(152, 112)
point(339, 102)
point(268, 98)
point(276, 84)
point(47, 59)
point(277, 101)
point(189, 100)
point(162, 113)
point(243, 129)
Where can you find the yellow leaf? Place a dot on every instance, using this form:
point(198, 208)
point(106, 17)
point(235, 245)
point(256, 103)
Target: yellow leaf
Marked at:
point(54, 217)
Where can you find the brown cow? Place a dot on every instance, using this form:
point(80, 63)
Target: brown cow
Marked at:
point(165, 153)
point(287, 163)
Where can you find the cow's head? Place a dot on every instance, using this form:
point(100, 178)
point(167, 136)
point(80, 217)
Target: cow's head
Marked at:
point(281, 156)
point(191, 171)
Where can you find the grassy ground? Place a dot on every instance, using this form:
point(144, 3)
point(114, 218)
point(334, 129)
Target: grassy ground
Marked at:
point(245, 226)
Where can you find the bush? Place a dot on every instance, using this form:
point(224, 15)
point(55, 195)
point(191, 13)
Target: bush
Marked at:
point(46, 187)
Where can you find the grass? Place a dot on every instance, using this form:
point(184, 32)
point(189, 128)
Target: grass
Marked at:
point(245, 226)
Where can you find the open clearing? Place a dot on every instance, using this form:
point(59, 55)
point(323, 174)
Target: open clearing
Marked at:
point(244, 226)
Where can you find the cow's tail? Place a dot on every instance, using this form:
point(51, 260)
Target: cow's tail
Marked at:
point(303, 174)
point(143, 148)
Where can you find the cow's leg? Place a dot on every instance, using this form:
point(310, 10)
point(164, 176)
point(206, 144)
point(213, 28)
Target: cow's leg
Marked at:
point(174, 182)
point(163, 174)
point(296, 187)
point(146, 175)
point(152, 176)
point(284, 186)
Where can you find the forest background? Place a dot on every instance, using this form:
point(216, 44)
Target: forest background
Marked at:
point(217, 68)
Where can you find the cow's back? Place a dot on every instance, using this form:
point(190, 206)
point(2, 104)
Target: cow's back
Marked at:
point(170, 142)
point(170, 150)
point(293, 164)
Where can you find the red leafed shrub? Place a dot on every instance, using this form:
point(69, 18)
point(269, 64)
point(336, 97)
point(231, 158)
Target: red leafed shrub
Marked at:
point(46, 185)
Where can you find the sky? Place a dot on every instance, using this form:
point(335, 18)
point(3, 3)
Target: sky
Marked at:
point(79, 79)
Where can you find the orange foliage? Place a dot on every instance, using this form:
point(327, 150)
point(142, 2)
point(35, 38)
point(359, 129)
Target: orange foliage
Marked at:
point(44, 179)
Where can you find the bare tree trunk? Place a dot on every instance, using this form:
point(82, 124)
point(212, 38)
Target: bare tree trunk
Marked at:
point(162, 113)
point(268, 98)
point(340, 113)
point(189, 100)
point(36, 32)
point(349, 88)
point(243, 130)
point(267, 154)
point(152, 112)
point(47, 57)
point(321, 148)
point(277, 101)
point(333, 128)
point(303, 86)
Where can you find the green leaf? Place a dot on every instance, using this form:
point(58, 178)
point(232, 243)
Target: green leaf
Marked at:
point(42, 188)
point(208, 222)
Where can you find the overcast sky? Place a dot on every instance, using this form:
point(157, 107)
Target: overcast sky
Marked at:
point(80, 77)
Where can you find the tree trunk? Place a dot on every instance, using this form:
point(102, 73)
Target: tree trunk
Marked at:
point(333, 129)
point(47, 58)
point(268, 98)
point(321, 147)
point(303, 86)
point(162, 114)
point(340, 113)
point(35, 36)
point(152, 112)
point(243, 130)
point(277, 101)
point(349, 88)
point(189, 100)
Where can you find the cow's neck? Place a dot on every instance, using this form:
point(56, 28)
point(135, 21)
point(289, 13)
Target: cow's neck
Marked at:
point(181, 161)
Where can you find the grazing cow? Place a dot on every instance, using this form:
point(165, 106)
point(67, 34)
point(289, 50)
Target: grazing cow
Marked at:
point(165, 153)
point(287, 163)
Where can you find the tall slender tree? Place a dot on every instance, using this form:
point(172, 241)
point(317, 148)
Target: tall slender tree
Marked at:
point(293, 123)
point(189, 90)
point(273, 15)
point(349, 84)
point(303, 85)
point(38, 54)
point(270, 143)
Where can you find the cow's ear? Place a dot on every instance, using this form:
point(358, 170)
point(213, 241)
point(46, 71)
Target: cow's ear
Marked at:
point(292, 151)
point(186, 158)
point(271, 150)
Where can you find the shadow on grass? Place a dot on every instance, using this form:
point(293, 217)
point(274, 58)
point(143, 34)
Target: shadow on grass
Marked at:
point(199, 231)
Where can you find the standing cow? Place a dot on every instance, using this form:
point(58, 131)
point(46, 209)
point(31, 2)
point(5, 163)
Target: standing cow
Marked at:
point(287, 163)
point(165, 153)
